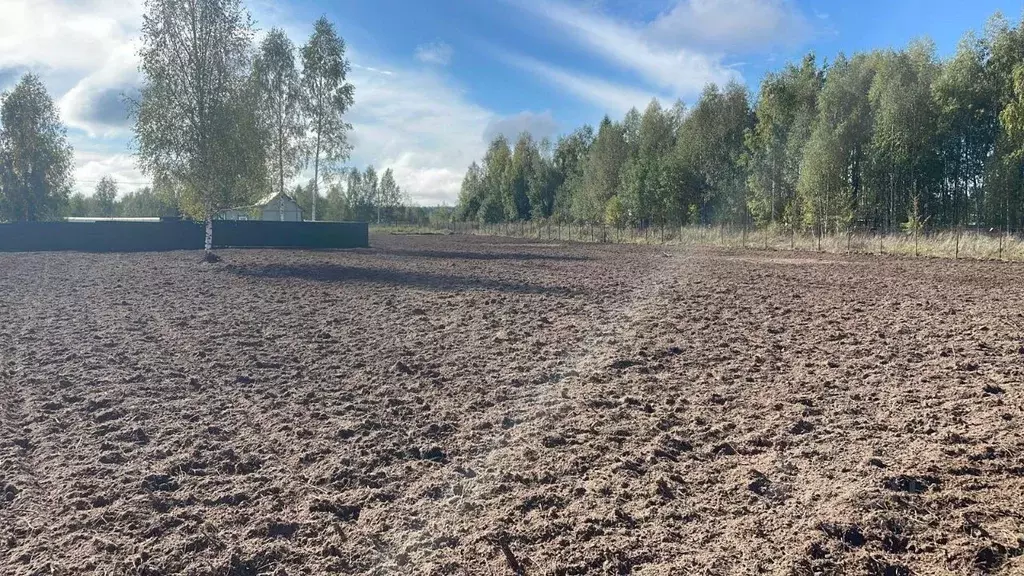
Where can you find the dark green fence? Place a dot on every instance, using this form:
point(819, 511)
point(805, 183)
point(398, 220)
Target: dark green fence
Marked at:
point(268, 234)
point(178, 235)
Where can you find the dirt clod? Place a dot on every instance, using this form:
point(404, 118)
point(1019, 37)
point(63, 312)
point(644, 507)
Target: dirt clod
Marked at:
point(993, 389)
point(911, 484)
point(282, 529)
point(343, 512)
point(801, 427)
point(159, 483)
point(848, 534)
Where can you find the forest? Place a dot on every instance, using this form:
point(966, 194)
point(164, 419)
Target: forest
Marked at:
point(886, 140)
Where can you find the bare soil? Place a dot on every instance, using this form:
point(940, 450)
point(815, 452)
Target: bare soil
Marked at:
point(461, 405)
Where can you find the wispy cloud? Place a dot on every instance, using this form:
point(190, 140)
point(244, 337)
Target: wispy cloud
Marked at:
point(437, 53)
point(673, 67)
point(609, 97)
point(372, 69)
point(733, 26)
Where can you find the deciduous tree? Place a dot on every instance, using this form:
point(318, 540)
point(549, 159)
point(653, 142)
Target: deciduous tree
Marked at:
point(36, 160)
point(105, 197)
point(279, 92)
point(327, 96)
point(195, 120)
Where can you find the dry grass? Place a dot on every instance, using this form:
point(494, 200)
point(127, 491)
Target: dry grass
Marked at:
point(970, 245)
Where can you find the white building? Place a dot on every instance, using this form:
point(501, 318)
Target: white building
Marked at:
point(278, 206)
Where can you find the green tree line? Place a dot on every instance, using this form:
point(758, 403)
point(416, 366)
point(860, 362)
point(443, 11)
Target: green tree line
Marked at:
point(877, 140)
point(360, 196)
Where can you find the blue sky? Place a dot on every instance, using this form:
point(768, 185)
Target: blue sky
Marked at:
point(436, 79)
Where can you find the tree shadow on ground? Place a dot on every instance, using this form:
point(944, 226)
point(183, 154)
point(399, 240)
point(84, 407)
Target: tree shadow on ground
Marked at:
point(464, 255)
point(334, 273)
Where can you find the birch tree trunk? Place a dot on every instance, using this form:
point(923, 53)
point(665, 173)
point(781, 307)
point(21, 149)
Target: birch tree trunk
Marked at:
point(208, 245)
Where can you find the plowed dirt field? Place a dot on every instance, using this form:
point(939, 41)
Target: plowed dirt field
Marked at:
point(471, 405)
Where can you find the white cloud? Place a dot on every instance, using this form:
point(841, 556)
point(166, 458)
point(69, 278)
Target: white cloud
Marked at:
point(92, 164)
point(84, 52)
point(434, 53)
point(419, 124)
point(609, 97)
point(65, 35)
point(733, 25)
point(670, 66)
point(96, 103)
point(540, 126)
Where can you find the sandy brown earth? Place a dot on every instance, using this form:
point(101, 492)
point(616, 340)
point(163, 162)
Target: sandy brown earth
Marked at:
point(460, 405)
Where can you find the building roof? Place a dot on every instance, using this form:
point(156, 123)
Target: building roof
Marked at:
point(267, 200)
point(273, 196)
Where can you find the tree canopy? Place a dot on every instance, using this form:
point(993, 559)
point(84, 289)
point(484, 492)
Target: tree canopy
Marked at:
point(869, 141)
point(327, 95)
point(36, 160)
point(280, 96)
point(196, 120)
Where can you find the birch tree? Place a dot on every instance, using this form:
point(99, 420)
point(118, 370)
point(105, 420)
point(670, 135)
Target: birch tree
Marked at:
point(327, 96)
point(279, 93)
point(194, 120)
point(389, 195)
point(105, 197)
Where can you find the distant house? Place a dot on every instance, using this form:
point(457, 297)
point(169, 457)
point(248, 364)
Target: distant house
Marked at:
point(278, 206)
